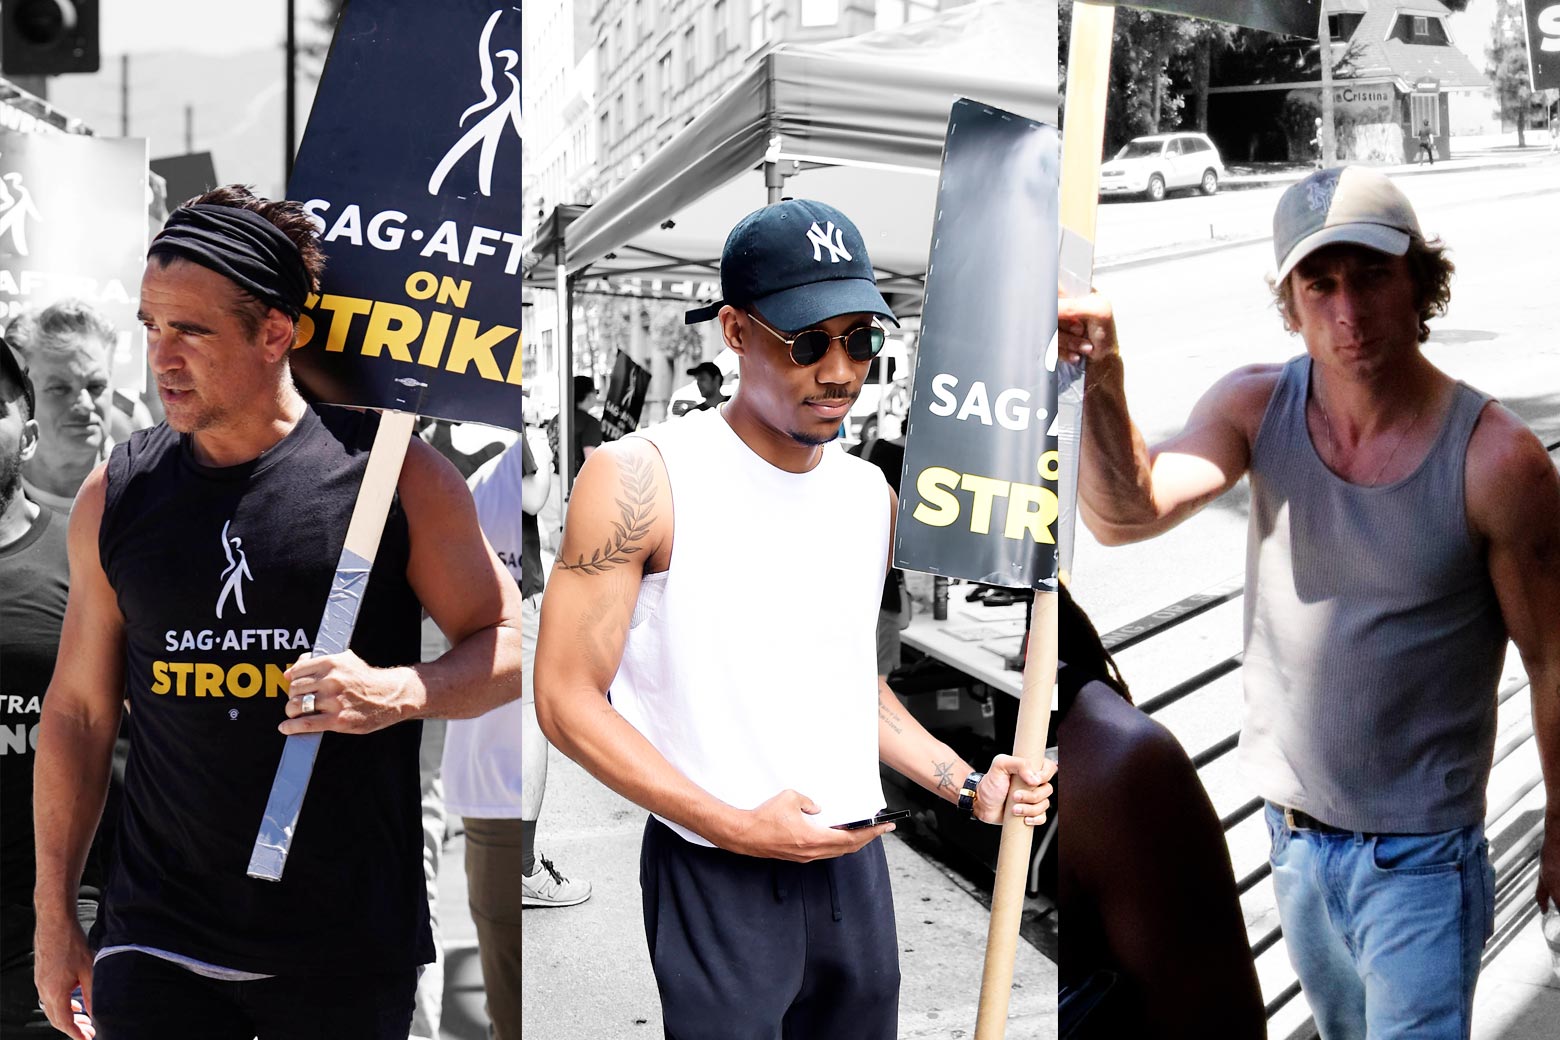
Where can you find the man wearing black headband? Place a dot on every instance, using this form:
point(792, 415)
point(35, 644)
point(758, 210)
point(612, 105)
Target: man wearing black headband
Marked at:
point(745, 710)
point(202, 554)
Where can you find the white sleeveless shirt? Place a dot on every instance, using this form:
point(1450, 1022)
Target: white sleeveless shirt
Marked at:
point(751, 662)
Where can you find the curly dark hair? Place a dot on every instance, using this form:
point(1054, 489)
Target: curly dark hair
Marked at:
point(1081, 647)
point(1429, 267)
point(289, 218)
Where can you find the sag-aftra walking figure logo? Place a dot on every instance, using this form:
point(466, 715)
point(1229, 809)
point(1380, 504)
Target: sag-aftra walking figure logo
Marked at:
point(488, 130)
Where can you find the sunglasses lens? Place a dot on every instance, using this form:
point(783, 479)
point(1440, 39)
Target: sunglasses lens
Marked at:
point(810, 346)
point(863, 344)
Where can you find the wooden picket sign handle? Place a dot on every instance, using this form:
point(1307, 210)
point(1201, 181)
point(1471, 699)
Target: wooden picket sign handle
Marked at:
point(1088, 76)
point(268, 858)
point(1007, 895)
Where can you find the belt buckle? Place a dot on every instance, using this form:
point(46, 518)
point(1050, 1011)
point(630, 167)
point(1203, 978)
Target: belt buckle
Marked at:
point(1289, 819)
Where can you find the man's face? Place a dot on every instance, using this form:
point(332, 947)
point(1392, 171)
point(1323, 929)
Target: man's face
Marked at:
point(808, 403)
point(209, 370)
point(708, 384)
point(71, 379)
point(1355, 309)
point(18, 437)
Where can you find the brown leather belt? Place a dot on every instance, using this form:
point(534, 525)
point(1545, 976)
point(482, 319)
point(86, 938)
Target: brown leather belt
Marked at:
point(1296, 820)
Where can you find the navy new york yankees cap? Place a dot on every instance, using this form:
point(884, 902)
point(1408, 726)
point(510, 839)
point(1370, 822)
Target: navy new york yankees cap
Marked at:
point(798, 263)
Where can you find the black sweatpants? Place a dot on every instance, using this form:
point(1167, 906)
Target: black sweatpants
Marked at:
point(136, 996)
point(760, 949)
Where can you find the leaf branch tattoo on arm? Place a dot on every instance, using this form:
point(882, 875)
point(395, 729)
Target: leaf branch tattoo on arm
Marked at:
point(636, 512)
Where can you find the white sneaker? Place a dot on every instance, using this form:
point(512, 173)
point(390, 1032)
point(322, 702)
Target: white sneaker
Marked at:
point(547, 887)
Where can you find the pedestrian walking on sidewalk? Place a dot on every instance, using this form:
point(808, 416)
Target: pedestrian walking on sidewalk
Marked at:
point(708, 650)
point(1426, 143)
point(202, 557)
point(1403, 526)
point(495, 767)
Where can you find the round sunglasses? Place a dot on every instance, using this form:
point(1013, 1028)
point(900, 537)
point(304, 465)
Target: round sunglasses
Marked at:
point(808, 347)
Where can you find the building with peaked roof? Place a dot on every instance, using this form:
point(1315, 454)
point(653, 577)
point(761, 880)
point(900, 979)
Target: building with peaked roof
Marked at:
point(1395, 69)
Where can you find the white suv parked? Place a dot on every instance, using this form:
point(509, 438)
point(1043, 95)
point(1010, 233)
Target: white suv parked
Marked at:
point(1151, 166)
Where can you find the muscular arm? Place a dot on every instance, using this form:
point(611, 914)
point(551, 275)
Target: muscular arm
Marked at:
point(1127, 490)
point(76, 733)
point(468, 593)
point(905, 746)
point(620, 522)
point(1513, 501)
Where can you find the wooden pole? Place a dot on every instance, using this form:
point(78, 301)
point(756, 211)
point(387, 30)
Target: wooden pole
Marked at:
point(1007, 896)
point(1083, 134)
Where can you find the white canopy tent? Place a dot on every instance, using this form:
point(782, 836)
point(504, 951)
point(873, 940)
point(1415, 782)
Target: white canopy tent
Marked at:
point(858, 123)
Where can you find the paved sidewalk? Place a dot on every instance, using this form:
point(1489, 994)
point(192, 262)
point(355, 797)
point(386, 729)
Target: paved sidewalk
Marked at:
point(587, 974)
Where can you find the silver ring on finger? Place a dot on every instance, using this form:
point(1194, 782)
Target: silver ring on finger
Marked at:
point(306, 704)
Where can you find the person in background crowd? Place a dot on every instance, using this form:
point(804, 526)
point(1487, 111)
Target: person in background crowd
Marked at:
point(706, 376)
point(68, 346)
point(34, 584)
point(495, 767)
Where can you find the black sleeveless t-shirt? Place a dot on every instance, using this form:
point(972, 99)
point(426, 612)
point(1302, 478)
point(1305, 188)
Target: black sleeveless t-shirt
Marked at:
point(222, 576)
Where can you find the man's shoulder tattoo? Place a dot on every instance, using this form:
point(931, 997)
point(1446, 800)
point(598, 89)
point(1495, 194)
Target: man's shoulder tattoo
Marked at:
point(636, 512)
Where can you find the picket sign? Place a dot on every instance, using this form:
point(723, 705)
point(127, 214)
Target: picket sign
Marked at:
point(419, 310)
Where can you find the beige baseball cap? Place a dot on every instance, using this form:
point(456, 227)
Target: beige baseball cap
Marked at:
point(1347, 204)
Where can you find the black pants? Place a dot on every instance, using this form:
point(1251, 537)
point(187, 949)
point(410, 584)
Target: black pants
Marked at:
point(136, 996)
point(758, 949)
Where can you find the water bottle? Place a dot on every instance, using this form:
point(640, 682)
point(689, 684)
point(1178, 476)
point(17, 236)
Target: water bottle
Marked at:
point(940, 598)
point(1552, 935)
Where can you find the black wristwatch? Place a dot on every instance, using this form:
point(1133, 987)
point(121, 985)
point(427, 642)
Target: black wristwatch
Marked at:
point(967, 792)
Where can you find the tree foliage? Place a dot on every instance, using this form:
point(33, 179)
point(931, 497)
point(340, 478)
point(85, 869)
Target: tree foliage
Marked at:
point(1508, 66)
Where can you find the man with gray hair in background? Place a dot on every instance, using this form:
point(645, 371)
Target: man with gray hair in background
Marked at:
point(69, 347)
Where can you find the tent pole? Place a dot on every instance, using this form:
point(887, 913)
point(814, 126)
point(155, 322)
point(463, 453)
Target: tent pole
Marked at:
point(565, 386)
point(774, 180)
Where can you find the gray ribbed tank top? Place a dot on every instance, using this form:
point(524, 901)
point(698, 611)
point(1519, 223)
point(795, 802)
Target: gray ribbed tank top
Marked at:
point(1374, 641)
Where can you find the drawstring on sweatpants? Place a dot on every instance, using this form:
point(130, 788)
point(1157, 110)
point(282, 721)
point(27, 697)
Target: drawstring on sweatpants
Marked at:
point(834, 892)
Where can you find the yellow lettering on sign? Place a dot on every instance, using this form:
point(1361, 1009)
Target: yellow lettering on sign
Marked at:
point(473, 344)
point(392, 327)
point(939, 506)
point(1030, 512)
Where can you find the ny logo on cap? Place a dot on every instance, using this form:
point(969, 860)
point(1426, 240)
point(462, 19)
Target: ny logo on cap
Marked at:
point(833, 240)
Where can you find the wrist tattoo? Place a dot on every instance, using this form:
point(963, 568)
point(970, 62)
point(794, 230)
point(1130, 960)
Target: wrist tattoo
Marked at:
point(943, 771)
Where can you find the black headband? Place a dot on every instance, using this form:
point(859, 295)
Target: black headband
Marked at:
point(243, 247)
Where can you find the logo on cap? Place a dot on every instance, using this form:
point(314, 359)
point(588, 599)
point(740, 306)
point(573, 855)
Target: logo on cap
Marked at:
point(1319, 193)
point(833, 240)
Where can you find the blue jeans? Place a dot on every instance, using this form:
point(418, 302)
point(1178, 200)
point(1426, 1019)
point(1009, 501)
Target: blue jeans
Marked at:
point(1385, 930)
